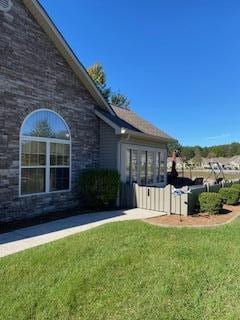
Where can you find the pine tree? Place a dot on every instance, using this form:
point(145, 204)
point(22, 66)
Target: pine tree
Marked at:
point(98, 75)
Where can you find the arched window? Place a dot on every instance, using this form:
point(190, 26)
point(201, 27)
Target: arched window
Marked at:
point(45, 147)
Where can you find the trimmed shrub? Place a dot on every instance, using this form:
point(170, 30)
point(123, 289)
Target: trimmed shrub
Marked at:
point(236, 186)
point(229, 195)
point(99, 187)
point(210, 202)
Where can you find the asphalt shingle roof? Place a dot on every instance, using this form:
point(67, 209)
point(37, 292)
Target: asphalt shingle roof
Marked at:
point(137, 123)
point(118, 121)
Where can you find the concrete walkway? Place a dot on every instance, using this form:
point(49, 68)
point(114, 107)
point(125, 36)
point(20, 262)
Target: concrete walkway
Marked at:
point(22, 239)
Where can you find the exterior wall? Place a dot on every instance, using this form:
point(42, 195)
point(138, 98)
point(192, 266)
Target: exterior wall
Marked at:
point(142, 142)
point(33, 75)
point(108, 146)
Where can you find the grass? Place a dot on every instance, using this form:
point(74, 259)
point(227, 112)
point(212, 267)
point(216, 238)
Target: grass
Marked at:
point(126, 270)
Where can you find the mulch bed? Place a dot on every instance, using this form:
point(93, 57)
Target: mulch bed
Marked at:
point(197, 220)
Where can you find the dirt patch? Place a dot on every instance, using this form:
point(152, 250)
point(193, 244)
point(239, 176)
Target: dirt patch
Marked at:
point(197, 220)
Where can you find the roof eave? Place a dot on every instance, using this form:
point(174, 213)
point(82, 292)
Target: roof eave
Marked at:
point(146, 136)
point(54, 34)
point(109, 122)
point(127, 132)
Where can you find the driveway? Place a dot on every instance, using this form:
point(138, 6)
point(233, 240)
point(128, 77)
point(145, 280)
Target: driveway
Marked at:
point(22, 239)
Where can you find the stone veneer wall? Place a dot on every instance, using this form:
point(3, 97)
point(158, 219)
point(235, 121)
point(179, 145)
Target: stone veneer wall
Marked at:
point(33, 75)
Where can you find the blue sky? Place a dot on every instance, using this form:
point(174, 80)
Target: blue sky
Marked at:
point(177, 60)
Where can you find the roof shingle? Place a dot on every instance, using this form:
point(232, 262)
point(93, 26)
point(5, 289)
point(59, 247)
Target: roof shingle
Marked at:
point(139, 124)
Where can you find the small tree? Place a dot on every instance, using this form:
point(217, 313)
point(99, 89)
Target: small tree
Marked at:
point(119, 100)
point(98, 75)
point(42, 129)
point(197, 159)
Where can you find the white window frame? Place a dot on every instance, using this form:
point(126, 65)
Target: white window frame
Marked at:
point(164, 159)
point(140, 148)
point(48, 166)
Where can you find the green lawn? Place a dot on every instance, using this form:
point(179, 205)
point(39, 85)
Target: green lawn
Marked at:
point(126, 270)
point(229, 175)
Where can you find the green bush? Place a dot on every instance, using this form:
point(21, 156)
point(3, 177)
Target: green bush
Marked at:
point(229, 195)
point(99, 187)
point(210, 202)
point(236, 186)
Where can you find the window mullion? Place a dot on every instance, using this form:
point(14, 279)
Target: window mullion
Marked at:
point(154, 166)
point(146, 167)
point(48, 167)
point(130, 174)
point(138, 166)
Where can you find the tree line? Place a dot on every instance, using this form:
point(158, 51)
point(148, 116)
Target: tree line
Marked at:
point(188, 152)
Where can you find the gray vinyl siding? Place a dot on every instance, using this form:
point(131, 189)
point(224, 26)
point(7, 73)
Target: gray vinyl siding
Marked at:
point(142, 142)
point(108, 146)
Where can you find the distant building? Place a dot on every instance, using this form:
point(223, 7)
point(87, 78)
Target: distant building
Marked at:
point(232, 163)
